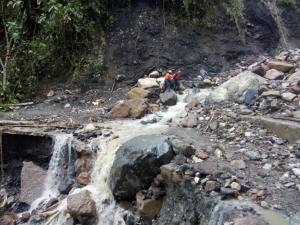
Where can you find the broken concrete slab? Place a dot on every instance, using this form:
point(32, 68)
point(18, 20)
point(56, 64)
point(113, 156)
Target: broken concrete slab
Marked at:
point(289, 130)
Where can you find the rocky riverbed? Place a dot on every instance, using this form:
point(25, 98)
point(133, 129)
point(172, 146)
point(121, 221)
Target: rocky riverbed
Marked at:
point(224, 150)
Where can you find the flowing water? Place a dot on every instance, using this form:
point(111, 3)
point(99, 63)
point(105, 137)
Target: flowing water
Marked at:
point(109, 213)
point(61, 141)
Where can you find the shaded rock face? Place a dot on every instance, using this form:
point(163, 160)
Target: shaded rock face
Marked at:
point(184, 204)
point(136, 163)
point(33, 148)
point(174, 43)
point(21, 147)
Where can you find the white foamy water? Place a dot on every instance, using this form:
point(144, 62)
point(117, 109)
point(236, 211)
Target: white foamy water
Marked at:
point(109, 213)
point(61, 141)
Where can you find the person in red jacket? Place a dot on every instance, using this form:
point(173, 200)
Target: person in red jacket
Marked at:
point(168, 80)
point(176, 78)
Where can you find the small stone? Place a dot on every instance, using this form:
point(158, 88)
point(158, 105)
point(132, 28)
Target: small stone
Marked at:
point(89, 127)
point(274, 74)
point(289, 185)
point(271, 93)
point(50, 93)
point(248, 134)
point(148, 208)
point(25, 216)
point(196, 159)
point(120, 77)
point(196, 179)
point(296, 114)
point(214, 125)
point(106, 133)
point(296, 171)
point(218, 153)
point(240, 164)
point(235, 186)
point(201, 155)
point(253, 155)
point(245, 111)
point(280, 66)
point(68, 105)
point(280, 141)
point(83, 178)
point(288, 96)
point(264, 205)
point(210, 186)
point(274, 104)
point(154, 74)
point(267, 166)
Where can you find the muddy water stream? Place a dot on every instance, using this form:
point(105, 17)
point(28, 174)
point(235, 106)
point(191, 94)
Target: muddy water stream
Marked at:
point(109, 213)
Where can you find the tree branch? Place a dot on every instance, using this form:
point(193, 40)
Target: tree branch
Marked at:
point(1, 63)
point(6, 33)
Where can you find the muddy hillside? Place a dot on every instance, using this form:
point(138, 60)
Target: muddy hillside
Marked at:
point(145, 37)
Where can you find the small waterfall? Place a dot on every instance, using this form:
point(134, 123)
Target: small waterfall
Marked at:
point(109, 213)
point(276, 14)
point(55, 171)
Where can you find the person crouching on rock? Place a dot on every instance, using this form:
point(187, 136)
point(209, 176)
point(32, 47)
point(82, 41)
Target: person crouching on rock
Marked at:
point(167, 80)
point(175, 80)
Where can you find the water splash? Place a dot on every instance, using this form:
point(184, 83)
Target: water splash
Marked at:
point(109, 213)
point(54, 173)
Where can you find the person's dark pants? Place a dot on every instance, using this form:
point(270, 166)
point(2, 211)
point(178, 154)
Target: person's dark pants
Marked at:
point(167, 85)
point(176, 85)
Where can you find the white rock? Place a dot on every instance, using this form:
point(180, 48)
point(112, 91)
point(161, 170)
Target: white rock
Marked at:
point(296, 171)
point(68, 105)
point(196, 179)
point(196, 159)
point(89, 127)
point(288, 96)
point(154, 74)
point(267, 166)
point(218, 153)
point(147, 83)
point(248, 134)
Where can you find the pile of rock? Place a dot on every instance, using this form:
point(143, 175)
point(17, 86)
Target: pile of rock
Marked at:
point(143, 98)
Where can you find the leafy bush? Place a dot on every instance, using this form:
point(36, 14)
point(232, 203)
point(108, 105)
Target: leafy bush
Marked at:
point(290, 3)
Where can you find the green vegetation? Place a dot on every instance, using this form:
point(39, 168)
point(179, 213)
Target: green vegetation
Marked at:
point(290, 3)
point(42, 39)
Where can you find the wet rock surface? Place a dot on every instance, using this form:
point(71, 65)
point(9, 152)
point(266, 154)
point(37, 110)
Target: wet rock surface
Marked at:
point(82, 207)
point(136, 163)
point(32, 182)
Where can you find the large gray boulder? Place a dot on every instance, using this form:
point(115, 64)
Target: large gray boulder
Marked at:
point(136, 163)
point(234, 89)
point(168, 98)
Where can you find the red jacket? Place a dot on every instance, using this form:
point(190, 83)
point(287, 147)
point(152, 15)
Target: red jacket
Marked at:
point(176, 76)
